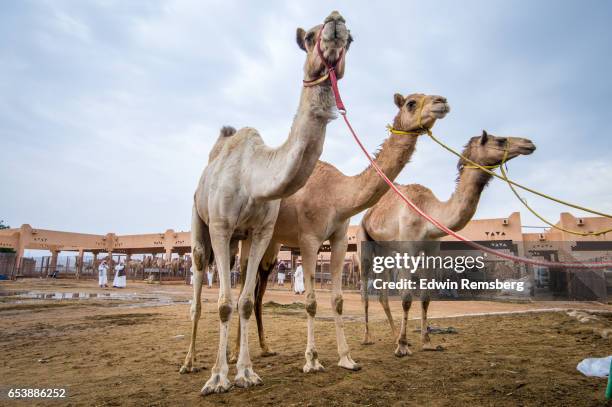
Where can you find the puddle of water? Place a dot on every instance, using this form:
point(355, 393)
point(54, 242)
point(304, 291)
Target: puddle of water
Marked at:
point(19, 297)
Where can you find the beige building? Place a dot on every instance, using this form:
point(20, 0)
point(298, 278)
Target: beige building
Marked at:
point(508, 230)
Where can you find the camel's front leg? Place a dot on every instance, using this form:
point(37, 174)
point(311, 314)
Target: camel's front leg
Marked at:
point(244, 254)
point(339, 244)
point(309, 262)
point(201, 253)
point(246, 377)
point(220, 237)
point(431, 250)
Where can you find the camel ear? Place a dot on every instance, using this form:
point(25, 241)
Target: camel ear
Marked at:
point(300, 35)
point(399, 100)
point(484, 138)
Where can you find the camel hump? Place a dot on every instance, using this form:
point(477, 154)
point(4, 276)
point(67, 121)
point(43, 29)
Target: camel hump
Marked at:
point(227, 131)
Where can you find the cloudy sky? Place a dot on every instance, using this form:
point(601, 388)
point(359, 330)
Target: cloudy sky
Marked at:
point(108, 109)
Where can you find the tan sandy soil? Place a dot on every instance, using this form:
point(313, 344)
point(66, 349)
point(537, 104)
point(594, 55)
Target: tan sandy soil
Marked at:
point(114, 351)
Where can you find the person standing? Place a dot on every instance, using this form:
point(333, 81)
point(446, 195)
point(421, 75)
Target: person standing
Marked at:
point(120, 279)
point(282, 269)
point(298, 282)
point(209, 275)
point(102, 277)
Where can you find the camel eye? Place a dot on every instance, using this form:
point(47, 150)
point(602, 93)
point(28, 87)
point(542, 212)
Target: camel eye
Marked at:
point(411, 104)
point(502, 141)
point(309, 36)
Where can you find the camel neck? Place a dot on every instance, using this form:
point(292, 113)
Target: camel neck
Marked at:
point(366, 188)
point(461, 207)
point(290, 165)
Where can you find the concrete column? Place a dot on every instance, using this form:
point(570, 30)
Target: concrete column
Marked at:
point(79, 266)
point(54, 254)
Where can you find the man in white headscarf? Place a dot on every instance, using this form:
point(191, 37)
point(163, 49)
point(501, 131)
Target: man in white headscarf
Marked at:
point(102, 278)
point(120, 280)
point(298, 282)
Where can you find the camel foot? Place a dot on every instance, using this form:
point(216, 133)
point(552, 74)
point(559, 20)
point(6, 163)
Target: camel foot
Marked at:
point(218, 383)
point(246, 377)
point(367, 340)
point(431, 348)
point(313, 366)
point(348, 363)
point(189, 369)
point(402, 350)
point(267, 353)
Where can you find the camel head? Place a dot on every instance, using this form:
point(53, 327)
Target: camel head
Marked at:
point(335, 41)
point(490, 150)
point(418, 112)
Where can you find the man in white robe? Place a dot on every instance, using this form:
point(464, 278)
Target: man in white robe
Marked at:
point(120, 280)
point(298, 282)
point(102, 277)
point(281, 273)
point(209, 276)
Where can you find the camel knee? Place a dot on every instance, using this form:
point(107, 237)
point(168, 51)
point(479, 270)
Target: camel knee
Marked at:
point(337, 303)
point(406, 302)
point(246, 307)
point(225, 311)
point(198, 257)
point(311, 306)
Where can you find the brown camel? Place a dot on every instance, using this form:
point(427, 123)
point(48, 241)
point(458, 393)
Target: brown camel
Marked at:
point(239, 192)
point(392, 220)
point(322, 210)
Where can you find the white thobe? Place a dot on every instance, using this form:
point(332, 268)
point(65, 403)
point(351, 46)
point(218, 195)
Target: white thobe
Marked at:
point(119, 281)
point(102, 278)
point(298, 283)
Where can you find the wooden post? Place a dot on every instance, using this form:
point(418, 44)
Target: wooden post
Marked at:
point(79, 266)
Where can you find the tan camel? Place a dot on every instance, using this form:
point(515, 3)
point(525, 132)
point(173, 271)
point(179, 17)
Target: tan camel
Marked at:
point(323, 208)
point(392, 220)
point(238, 195)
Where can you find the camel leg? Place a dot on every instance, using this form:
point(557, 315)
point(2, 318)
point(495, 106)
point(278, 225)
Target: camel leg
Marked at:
point(383, 298)
point(265, 268)
point(246, 377)
point(309, 262)
point(220, 233)
point(244, 256)
point(431, 250)
point(402, 341)
point(201, 254)
point(365, 300)
point(339, 243)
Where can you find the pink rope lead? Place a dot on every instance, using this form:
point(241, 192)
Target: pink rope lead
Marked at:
point(442, 227)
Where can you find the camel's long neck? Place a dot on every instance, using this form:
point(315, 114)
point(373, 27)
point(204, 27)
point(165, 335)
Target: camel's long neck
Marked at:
point(365, 189)
point(290, 165)
point(461, 207)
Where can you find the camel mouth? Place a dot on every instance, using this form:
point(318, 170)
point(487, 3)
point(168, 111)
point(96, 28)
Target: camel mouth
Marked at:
point(334, 35)
point(526, 150)
point(440, 110)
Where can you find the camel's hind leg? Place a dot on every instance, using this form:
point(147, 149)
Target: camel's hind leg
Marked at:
point(265, 267)
point(339, 244)
point(363, 275)
point(402, 341)
point(432, 249)
point(383, 298)
point(201, 254)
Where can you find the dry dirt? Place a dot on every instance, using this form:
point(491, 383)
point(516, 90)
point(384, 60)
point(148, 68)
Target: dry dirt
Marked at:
point(117, 351)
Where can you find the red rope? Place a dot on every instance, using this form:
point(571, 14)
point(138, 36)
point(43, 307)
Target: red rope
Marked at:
point(439, 225)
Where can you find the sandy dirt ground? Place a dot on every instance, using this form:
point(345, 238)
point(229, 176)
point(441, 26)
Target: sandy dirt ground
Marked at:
point(125, 347)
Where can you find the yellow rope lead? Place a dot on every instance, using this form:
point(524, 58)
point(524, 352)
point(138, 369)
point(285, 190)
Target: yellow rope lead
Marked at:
point(514, 183)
